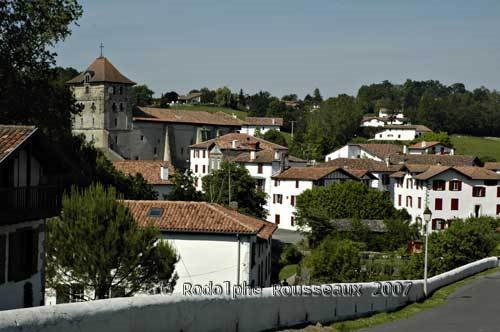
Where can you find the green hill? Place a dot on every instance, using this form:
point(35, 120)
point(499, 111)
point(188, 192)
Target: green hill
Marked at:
point(477, 146)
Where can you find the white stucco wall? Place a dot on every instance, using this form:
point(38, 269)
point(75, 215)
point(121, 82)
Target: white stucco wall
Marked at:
point(350, 151)
point(12, 293)
point(285, 210)
point(430, 150)
point(251, 130)
point(397, 135)
point(180, 313)
point(196, 165)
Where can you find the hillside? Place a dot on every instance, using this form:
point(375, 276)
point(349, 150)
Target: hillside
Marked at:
point(477, 146)
point(212, 109)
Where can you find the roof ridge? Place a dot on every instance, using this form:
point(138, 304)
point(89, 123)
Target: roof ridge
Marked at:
point(217, 207)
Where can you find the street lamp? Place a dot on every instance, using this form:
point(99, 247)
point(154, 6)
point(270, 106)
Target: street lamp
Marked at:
point(427, 218)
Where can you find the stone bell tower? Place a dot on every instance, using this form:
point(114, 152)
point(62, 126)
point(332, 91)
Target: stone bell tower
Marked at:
point(106, 117)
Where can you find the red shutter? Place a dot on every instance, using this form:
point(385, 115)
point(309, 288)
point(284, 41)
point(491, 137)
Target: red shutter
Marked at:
point(292, 221)
point(433, 223)
point(296, 184)
point(277, 219)
point(292, 200)
point(274, 198)
point(498, 209)
point(196, 168)
point(454, 203)
point(419, 202)
point(498, 191)
point(438, 204)
point(459, 185)
point(443, 224)
point(399, 200)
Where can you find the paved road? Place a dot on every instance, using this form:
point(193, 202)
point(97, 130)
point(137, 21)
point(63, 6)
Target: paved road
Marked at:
point(473, 307)
point(287, 236)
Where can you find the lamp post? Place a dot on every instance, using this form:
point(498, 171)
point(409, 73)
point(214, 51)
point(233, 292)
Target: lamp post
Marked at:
point(427, 218)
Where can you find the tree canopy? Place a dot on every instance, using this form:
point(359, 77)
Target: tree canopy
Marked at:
point(96, 243)
point(184, 189)
point(142, 95)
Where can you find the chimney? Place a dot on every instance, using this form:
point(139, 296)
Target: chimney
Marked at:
point(276, 155)
point(405, 149)
point(164, 172)
point(233, 144)
point(274, 121)
point(387, 163)
point(424, 144)
point(252, 155)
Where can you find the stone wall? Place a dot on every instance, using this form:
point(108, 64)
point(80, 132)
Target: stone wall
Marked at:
point(251, 313)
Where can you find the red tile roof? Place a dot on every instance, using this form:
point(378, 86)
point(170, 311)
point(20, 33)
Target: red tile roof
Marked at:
point(12, 137)
point(243, 142)
point(425, 145)
point(362, 163)
point(198, 217)
point(493, 166)
point(310, 173)
point(149, 169)
point(420, 128)
point(263, 156)
point(254, 121)
point(101, 70)
point(472, 172)
point(434, 159)
point(151, 114)
point(381, 150)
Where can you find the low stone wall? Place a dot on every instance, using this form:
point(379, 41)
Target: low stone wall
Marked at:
point(270, 310)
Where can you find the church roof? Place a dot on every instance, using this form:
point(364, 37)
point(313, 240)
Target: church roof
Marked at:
point(152, 114)
point(101, 70)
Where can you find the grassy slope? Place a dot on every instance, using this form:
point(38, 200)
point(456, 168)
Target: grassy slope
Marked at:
point(288, 271)
point(212, 109)
point(477, 146)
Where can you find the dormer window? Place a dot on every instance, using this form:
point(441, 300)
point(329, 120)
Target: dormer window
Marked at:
point(155, 212)
point(86, 78)
point(121, 107)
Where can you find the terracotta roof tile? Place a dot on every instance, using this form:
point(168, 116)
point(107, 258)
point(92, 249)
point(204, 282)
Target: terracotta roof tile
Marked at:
point(472, 172)
point(382, 150)
point(362, 163)
point(309, 173)
point(101, 70)
point(254, 121)
point(263, 156)
point(420, 128)
point(149, 169)
point(434, 159)
point(11, 137)
point(493, 166)
point(184, 116)
point(243, 142)
point(198, 217)
point(425, 145)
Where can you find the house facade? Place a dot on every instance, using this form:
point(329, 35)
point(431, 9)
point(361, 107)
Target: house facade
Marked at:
point(159, 174)
point(425, 147)
point(214, 244)
point(374, 151)
point(253, 125)
point(29, 193)
point(400, 132)
point(450, 192)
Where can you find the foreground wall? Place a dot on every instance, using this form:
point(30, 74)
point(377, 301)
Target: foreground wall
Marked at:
point(177, 313)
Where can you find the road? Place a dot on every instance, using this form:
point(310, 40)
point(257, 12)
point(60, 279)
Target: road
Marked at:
point(473, 307)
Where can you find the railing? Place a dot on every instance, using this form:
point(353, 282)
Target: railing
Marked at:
point(27, 203)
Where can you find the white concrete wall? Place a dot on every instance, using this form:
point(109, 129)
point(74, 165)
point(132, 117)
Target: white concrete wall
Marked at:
point(373, 123)
point(12, 293)
point(251, 130)
point(179, 313)
point(285, 210)
point(267, 172)
point(397, 135)
point(350, 151)
point(430, 150)
point(196, 165)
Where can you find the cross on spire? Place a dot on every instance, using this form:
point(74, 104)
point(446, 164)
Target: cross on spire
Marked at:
point(101, 47)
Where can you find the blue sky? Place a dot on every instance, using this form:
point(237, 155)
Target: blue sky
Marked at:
point(290, 46)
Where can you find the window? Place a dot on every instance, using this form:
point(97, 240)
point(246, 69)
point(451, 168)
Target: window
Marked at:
point(196, 168)
point(121, 107)
point(81, 121)
point(197, 153)
point(252, 263)
point(113, 107)
point(3, 243)
point(87, 89)
point(142, 138)
point(116, 122)
point(434, 221)
point(296, 183)
point(454, 204)
point(116, 139)
point(409, 201)
point(277, 198)
point(259, 168)
point(113, 90)
point(455, 185)
point(438, 204)
point(203, 169)
point(121, 90)
point(155, 212)
point(277, 219)
point(93, 122)
point(23, 254)
point(385, 179)
point(478, 191)
point(498, 191)
point(292, 221)
point(438, 185)
point(203, 153)
point(498, 212)
point(409, 183)
point(155, 150)
point(399, 200)
point(276, 183)
point(419, 202)
point(292, 200)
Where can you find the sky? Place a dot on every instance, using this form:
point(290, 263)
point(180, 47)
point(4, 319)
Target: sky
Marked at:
point(289, 46)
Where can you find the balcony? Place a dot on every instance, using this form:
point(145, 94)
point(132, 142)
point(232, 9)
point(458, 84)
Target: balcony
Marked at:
point(29, 203)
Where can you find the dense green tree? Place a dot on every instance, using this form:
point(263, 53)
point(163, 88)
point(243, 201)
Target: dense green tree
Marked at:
point(274, 136)
point(142, 96)
point(259, 103)
point(442, 137)
point(317, 98)
point(207, 96)
point(318, 206)
point(223, 97)
point(31, 91)
point(168, 97)
point(235, 181)
point(96, 243)
point(335, 260)
point(290, 97)
point(184, 189)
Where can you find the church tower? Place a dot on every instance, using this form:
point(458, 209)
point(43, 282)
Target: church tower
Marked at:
point(106, 117)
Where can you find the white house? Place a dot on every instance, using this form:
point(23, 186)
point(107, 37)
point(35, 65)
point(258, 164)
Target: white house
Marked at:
point(401, 132)
point(252, 125)
point(214, 244)
point(28, 194)
point(159, 174)
point(294, 181)
point(192, 98)
point(384, 118)
point(449, 192)
point(433, 147)
point(261, 158)
point(375, 151)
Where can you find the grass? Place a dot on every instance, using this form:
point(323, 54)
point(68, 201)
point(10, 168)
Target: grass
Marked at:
point(212, 109)
point(287, 271)
point(477, 146)
point(438, 298)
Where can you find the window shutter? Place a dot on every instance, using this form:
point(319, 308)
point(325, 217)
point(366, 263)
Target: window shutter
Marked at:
point(433, 223)
point(438, 204)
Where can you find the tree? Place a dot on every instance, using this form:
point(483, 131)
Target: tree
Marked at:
point(235, 181)
point(184, 189)
point(317, 98)
point(318, 206)
point(442, 137)
point(335, 260)
point(31, 91)
point(274, 136)
point(207, 96)
point(142, 96)
point(167, 98)
point(223, 97)
point(97, 244)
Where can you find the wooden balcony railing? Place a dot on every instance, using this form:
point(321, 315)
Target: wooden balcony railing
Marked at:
point(29, 203)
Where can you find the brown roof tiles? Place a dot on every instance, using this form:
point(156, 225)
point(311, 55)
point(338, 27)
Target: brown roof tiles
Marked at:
point(434, 159)
point(149, 169)
point(493, 166)
point(101, 70)
point(310, 173)
point(184, 116)
point(12, 137)
point(472, 172)
point(420, 128)
point(255, 121)
point(243, 142)
point(381, 150)
point(198, 217)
